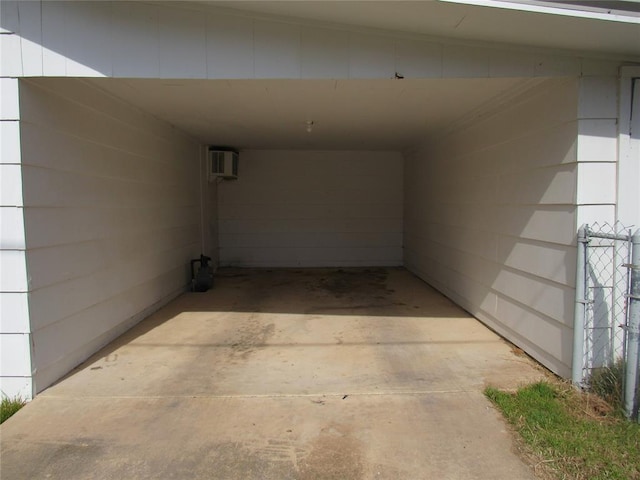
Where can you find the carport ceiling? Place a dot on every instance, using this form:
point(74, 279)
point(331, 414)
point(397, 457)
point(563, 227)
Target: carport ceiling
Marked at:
point(347, 114)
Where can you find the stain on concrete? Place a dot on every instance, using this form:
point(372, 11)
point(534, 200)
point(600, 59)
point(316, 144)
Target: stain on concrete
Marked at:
point(77, 459)
point(353, 283)
point(335, 454)
point(250, 336)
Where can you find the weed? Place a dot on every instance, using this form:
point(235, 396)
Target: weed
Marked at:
point(9, 406)
point(562, 432)
point(606, 382)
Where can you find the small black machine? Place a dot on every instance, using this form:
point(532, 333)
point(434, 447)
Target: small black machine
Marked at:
point(202, 280)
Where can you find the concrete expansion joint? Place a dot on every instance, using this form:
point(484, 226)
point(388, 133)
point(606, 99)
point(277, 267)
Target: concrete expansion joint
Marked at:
point(266, 396)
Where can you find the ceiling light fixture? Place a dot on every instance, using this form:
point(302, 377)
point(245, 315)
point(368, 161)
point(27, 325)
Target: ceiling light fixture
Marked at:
point(309, 125)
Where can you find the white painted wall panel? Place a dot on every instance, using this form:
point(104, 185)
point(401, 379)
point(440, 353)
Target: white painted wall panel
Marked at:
point(296, 208)
point(136, 40)
point(325, 53)
point(490, 219)
point(15, 355)
point(506, 63)
point(460, 61)
point(418, 59)
point(112, 218)
point(10, 142)
point(31, 37)
point(147, 40)
point(229, 47)
point(597, 149)
point(277, 50)
point(598, 140)
point(182, 44)
point(10, 56)
point(21, 387)
point(87, 40)
point(13, 272)
point(371, 56)
point(9, 99)
point(14, 311)
point(54, 42)
point(12, 228)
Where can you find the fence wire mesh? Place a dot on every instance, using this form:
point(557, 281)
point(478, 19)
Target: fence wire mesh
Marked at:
point(608, 251)
point(606, 295)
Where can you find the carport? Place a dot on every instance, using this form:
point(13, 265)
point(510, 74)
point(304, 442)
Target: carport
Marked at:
point(118, 198)
point(415, 134)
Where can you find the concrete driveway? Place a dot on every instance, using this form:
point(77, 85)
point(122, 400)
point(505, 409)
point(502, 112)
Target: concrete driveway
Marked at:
point(282, 374)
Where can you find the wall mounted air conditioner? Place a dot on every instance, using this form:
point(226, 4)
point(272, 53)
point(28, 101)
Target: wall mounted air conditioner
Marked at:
point(222, 164)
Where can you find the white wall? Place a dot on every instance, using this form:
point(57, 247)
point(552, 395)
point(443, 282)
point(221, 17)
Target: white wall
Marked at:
point(192, 40)
point(305, 208)
point(112, 218)
point(15, 339)
point(490, 219)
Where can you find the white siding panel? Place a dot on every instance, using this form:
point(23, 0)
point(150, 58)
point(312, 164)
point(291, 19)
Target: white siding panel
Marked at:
point(9, 99)
point(556, 263)
point(596, 183)
point(597, 140)
point(13, 273)
point(31, 34)
point(325, 53)
point(371, 56)
point(14, 311)
point(554, 66)
point(490, 219)
point(9, 142)
point(182, 44)
point(511, 64)
point(112, 218)
point(54, 41)
point(598, 97)
point(10, 185)
point(591, 214)
point(418, 59)
point(229, 47)
point(277, 50)
point(15, 355)
point(289, 208)
point(88, 43)
point(10, 17)
point(550, 342)
point(12, 228)
point(463, 62)
point(10, 56)
point(17, 387)
point(136, 40)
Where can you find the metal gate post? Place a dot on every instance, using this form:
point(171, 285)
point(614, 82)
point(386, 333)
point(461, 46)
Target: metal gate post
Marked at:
point(633, 332)
point(580, 308)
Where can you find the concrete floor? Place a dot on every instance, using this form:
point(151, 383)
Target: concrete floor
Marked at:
point(282, 374)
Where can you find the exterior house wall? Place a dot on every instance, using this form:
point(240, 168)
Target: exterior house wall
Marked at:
point(312, 209)
point(190, 40)
point(111, 202)
point(597, 149)
point(15, 329)
point(490, 219)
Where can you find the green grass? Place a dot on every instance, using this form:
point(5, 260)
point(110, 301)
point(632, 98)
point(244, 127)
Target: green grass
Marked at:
point(9, 406)
point(572, 435)
point(606, 382)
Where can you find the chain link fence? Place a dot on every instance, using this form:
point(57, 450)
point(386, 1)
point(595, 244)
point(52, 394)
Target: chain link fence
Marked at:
point(605, 331)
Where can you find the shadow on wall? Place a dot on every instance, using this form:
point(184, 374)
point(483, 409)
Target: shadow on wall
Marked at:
point(491, 218)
